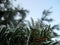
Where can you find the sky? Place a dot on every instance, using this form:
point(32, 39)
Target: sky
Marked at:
point(36, 7)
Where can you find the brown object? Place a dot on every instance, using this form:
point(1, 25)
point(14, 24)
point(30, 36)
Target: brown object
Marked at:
point(40, 39)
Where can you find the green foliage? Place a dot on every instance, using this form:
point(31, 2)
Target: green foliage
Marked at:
point(41, 32)
point(17, 32)
point(8, 12)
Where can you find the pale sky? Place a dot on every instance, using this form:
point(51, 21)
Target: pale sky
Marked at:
point(36, 7)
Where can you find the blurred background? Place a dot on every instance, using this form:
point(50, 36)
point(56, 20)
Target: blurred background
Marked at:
point(29, 22)
point(36, 7)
